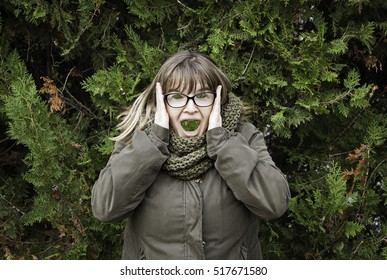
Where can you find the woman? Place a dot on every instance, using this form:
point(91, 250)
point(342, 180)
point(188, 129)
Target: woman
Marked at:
point(191, 179)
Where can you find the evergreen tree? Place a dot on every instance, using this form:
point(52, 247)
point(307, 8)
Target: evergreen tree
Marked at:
point(311, 71)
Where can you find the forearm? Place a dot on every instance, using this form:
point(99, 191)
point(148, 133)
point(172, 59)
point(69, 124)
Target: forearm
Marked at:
point(122, 183)
point(250, 172)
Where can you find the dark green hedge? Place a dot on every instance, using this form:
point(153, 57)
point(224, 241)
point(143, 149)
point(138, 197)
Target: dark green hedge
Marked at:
point(313, 73)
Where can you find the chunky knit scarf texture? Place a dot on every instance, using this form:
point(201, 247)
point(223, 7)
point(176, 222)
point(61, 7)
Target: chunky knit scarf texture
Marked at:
point(189, 159)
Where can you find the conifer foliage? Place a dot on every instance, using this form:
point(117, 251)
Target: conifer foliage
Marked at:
point(312, 72)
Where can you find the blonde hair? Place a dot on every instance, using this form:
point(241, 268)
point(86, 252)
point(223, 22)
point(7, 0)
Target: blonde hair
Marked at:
point(183, 71)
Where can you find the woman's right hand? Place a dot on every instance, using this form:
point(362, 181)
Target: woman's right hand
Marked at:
point(161, 115)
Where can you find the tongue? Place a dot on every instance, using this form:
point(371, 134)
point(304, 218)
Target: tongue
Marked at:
point(190, 125)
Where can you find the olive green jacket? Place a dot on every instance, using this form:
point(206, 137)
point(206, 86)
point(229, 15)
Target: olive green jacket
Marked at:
point(213, 217)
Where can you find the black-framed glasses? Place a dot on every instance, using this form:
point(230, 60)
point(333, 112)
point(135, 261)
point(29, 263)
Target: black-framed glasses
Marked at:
point(201, 99)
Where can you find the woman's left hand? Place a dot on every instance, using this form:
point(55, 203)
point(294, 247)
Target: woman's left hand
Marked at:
point(215, 119)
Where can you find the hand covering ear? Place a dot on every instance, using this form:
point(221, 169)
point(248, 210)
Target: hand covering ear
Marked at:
point(215, 119)
point(161, 115)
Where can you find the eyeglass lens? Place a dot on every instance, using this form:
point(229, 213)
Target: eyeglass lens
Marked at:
point(202, 99)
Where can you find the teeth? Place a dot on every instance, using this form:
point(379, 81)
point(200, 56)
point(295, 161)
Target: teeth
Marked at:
point(190, 125)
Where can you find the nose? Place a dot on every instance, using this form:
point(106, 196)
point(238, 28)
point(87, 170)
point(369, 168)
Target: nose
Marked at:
point(190, 107)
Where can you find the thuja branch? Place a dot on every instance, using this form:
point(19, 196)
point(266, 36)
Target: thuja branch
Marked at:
point(12, 206)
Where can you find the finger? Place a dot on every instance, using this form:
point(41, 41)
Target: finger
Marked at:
point(215, 117)
point(218, 97)
point(161, 115)
point(159, 95)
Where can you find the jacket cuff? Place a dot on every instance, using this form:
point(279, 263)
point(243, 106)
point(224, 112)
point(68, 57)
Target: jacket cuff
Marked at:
point(216, 138)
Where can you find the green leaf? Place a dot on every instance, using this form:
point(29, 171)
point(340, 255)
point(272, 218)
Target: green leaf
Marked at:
point(338, 47)
point(352, 228)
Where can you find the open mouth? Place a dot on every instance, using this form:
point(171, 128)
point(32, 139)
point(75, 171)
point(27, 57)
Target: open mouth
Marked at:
point(190, 125)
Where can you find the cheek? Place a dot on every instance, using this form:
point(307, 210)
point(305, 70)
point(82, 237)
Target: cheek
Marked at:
point(173, 115)
point(206, 114)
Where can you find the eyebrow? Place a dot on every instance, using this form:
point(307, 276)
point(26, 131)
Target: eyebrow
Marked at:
point(197, 91)
point(204, 89)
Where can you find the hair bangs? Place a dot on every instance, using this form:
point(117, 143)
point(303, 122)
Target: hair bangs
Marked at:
point(189, 76)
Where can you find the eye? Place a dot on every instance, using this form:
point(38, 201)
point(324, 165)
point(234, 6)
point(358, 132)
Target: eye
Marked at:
point(177, 96)
point(202, 95)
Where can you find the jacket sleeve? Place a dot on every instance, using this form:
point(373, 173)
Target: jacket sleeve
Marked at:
point(244, 163)
point(131, 169)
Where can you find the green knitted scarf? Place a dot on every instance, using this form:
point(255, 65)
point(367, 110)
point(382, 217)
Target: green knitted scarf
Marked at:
point(189, 159)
